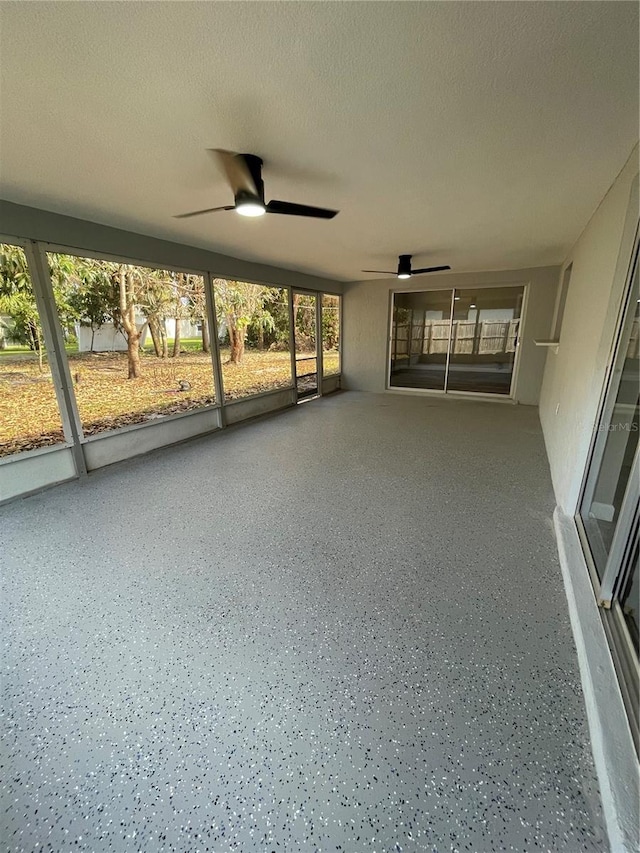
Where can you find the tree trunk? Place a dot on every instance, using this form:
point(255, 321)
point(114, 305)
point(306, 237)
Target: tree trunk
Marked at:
point(236, 339)
point(158, 336)
point(176, 339)
point(154, 329)
point(93, 335)
point(128, 316)
point(206, 344)
point(260, 336)
point(164, 346)
point(133, 344)
point(37, 345)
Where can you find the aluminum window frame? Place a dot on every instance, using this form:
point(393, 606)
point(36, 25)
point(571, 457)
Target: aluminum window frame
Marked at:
point(616, 571)
point(606, 405)
point(613, 374)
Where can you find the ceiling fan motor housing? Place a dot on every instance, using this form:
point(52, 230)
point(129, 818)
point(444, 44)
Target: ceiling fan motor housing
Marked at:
point(254, 165)
point(404, 265)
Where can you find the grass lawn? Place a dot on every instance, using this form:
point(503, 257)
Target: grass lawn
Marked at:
point(107, 400)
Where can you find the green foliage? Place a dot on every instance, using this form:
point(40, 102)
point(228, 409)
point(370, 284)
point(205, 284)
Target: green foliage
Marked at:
point(259, 313)
point(238, 302)
point(17, 299)
point(82, 288)
point(330, 322)
point(270, 325)
point(304, 312)
point(85, 291)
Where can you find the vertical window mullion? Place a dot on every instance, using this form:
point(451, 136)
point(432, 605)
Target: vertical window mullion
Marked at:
point(54, 343)
point(319, 344)
point(214, 342)
point(448, 361)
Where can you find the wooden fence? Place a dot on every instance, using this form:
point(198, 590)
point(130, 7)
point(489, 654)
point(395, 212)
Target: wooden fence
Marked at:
point(470, 337)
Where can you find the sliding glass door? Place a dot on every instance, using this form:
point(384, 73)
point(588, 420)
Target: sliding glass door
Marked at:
point(456, 340)
point(609, 515)
point(484, 338)
point(420, 339)
point(612, 481)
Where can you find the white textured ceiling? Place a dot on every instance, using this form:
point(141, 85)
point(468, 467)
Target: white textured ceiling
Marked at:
point(478, 134)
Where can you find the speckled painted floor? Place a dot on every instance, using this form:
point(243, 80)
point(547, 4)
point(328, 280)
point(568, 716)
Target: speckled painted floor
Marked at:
point(339, 629)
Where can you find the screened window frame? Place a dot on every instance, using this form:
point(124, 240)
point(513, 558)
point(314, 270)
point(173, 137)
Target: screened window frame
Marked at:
point(36, 251)
point(209, 276)
point(286, 287)
point(338, 296)
point(43, 248)
point(317, 295)
point(56, 355)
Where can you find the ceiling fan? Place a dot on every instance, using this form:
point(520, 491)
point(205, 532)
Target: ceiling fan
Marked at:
point(244, 175)
point(404, 268)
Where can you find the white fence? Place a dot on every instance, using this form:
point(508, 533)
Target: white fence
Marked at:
point(106, 338)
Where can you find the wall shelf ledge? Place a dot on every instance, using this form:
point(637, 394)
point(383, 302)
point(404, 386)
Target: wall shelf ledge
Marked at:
point(551, 344)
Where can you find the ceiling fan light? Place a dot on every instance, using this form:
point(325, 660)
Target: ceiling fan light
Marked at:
point(250, 208)
point(404, 275)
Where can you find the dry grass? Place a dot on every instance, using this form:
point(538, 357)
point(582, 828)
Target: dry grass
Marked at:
point(106, 399)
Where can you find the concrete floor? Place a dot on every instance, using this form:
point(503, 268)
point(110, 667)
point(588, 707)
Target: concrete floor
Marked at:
point(339, 629)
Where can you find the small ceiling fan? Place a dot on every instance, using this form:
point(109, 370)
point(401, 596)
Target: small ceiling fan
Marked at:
point(244, 175)
point(404, 268)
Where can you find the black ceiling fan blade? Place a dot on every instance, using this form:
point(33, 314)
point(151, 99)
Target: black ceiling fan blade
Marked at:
point(200, 212)
point(429, 269)
point(236, 170)
point(287, 208)
point(382, 272)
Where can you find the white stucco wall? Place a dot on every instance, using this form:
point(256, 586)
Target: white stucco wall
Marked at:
point(574, 376)
point(366, 324)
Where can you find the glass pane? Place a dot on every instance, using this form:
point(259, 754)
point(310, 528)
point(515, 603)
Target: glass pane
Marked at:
point(330, 334)
point(29, 413)
point(486, 325)
point(253, 327)
point(630, 595)
point(608, 478)
point(137, 340)
point(304, 317)
point(420, 339)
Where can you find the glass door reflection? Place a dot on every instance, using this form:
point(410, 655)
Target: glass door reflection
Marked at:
point(484, 339)
point(420, 333)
